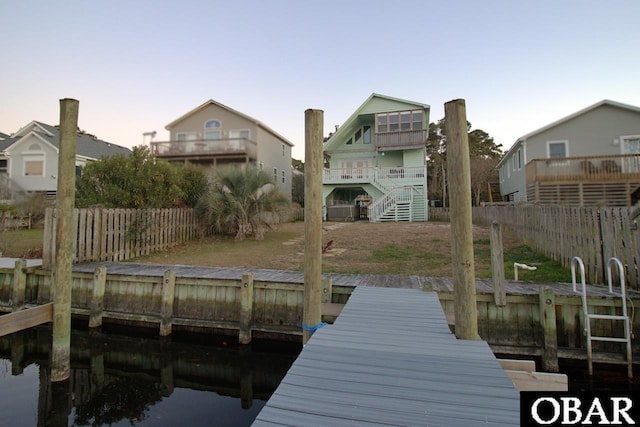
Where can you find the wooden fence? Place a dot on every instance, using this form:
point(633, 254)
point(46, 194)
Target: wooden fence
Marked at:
point(120, 234)
point(594, 234)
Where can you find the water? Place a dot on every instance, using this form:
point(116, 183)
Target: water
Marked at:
point(124, 380)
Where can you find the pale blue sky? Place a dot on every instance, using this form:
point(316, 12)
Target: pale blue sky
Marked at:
point(137, 65)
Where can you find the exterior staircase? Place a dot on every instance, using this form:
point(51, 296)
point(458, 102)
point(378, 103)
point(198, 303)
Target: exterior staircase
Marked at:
point(406, 203)
point(493, 188)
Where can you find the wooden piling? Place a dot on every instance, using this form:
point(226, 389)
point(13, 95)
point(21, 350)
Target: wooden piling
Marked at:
point(547, 301)
point(497, 265)
point(97, 297)
point(166, 307)
point(61, 348)
point(18, 292)
point(312, 312)
point(459, 176)
point(246, 308)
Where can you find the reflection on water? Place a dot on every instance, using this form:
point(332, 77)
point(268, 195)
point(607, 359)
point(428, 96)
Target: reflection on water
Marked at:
point(123, 380)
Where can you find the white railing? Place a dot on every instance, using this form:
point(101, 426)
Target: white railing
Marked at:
point(388, 201)
point(386, 178)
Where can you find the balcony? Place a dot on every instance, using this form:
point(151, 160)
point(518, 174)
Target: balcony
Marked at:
point(401, 140)
point(235, 147)
point(386, 177)
point(583, 181)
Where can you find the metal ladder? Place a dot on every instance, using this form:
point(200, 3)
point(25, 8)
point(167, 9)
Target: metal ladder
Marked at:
point(588, 316)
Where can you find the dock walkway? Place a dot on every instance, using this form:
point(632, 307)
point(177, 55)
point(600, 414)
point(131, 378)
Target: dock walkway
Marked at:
point(390, 359)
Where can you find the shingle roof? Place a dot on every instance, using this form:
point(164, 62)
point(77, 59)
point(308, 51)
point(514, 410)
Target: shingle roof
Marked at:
point(87, 146)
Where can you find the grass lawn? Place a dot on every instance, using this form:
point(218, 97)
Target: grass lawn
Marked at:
point(422, 249)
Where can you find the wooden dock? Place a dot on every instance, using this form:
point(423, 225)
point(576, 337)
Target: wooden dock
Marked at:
point(390, 359)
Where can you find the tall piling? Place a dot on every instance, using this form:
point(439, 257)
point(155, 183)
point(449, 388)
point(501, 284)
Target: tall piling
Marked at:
point(311, 316)
point(459, 175)
point(61, 350)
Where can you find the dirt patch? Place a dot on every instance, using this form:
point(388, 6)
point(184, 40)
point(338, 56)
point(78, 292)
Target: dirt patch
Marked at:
point(357, 247)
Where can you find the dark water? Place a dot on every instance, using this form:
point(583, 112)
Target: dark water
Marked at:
point(124, 380)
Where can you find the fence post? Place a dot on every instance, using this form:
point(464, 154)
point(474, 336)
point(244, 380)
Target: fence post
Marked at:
point(166, 308)
point(497, 265)
point(246, 308)
point(18, 292)
point(97, 297)
point(547, 302)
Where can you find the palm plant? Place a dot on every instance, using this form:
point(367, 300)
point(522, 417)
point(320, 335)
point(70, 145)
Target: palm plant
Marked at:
point(244, 201)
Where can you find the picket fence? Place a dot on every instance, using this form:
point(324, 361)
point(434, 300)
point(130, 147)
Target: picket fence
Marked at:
point(561, 233)
point(120, 234)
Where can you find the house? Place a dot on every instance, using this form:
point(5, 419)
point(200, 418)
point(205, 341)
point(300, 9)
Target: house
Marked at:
point(377, 163)
point(590, 158)
point(214, 135)
point(29, 158)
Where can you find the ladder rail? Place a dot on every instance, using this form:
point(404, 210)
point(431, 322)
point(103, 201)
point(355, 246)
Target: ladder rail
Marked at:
point(577, 262)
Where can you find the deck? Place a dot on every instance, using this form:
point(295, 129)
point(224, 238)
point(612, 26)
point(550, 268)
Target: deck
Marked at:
point(390, 359)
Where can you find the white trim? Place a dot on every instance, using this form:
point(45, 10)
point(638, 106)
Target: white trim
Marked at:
point(622, 144)
point(34, 157)
point(566, 148)
point(239, 130)
point(195, 134)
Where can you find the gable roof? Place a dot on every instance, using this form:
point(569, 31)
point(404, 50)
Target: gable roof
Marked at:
point(520, 140)
point(87, 145)
point(3, 136)
point(231, 110)
point(367, 108)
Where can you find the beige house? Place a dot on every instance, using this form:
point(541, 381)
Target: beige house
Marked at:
point(214, 135)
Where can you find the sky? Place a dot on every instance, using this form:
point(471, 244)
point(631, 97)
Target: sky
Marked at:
point(135, 66)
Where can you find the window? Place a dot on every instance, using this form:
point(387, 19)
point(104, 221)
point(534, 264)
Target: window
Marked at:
point(367, 134)
point(519, 158)
point(33, 167)
point(401, 121)
point(283, 176)
point(283, 153)
point(212, 124)
point(3, 166)
point(557, 149)
point(186, 136)
point(349, 141)
point(358, 137)
point(275, 174)
point(212, 129)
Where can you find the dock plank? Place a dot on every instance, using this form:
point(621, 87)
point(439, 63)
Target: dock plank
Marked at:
point(390, 359)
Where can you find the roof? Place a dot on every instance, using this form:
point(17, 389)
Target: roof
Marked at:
point(3, 136)
point(236, 112)
point(337, 136)
point(520, 140)
point(87, 146)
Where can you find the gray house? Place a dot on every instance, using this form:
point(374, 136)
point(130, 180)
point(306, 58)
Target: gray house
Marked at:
point(29, 158)
point(590, 158)
point(213, 135)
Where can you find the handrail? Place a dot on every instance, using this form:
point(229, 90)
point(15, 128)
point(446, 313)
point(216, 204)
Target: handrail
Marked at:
point(623, 290)
point(577, 260)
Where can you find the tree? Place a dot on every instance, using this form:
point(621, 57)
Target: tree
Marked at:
point(297, 182)
point(483, 152)
point(138, 181)
point(242, 200)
